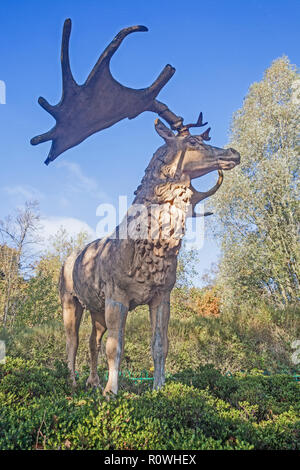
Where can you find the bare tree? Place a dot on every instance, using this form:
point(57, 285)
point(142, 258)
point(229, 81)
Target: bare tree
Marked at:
point(18, 234)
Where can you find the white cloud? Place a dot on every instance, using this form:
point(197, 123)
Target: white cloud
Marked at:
point(79, 182)
point(51, 225)
point(64, 202)
point(25, 191)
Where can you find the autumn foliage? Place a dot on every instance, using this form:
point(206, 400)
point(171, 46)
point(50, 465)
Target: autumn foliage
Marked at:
point(205, 303)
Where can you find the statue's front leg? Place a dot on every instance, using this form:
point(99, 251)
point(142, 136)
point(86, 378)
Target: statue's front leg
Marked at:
point(115, 318)
point(159, 317)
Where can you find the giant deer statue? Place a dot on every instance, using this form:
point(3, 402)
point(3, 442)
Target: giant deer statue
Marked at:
point(136, 264)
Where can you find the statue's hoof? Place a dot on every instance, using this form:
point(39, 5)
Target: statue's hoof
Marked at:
point(158, 386)
point(109, 394)
point(73, 382)
point(93, 382)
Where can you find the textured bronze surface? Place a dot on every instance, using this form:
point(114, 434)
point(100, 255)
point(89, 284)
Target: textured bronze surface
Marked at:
point(112, 276)
point(101, 101)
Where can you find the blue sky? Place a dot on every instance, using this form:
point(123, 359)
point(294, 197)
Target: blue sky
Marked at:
point(218, 48)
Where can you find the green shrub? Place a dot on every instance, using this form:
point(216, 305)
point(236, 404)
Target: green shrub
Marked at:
point(201, 407)
point(195, 410)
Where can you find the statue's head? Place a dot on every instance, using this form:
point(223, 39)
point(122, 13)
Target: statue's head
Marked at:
point(189, 157)
point(193, 157)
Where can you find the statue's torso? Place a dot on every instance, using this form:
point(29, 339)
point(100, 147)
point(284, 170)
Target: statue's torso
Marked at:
point(135, 267)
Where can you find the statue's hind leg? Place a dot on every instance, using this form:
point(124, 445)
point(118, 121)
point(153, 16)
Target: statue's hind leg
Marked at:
point(72, 313)
point(159, 317)
point(98, 330)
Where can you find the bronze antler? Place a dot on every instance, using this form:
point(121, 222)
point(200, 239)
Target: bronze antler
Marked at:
point(184, 129)
point(199, 122)
point(101, 101)
point(198, 196)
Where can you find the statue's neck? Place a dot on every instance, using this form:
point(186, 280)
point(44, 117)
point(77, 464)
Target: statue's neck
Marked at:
point(163, 198)
point(162, 217)
point(161, 229)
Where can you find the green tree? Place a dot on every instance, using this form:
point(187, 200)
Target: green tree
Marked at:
point(257, 208)
point(186, 267)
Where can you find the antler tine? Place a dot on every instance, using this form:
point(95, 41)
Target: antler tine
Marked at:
point(111, 49)
point(198, 196)
point(68, 81)
point(183, 129)
point(199, 122)
point(47, 106)
point(205, 135)
point(67, 77)
point(161, 80)
point(39, 139)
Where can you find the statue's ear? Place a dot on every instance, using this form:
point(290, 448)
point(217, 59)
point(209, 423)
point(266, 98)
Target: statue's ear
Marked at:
point(164, 131)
